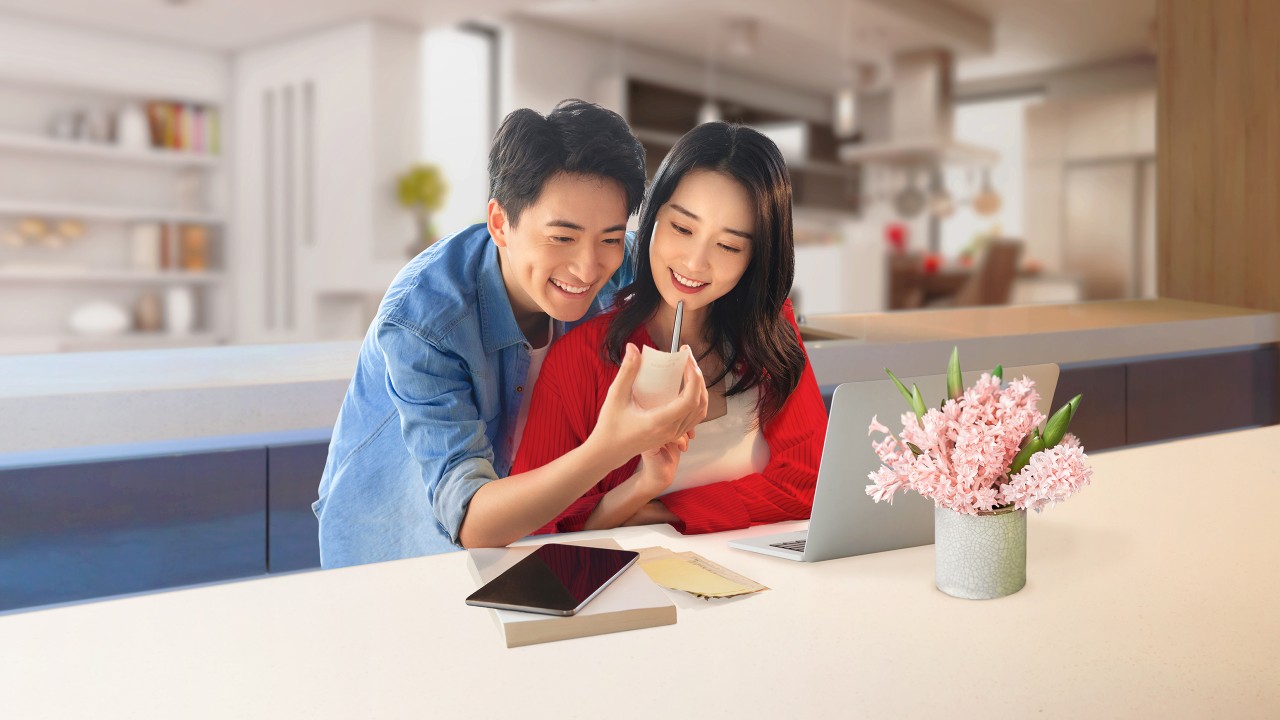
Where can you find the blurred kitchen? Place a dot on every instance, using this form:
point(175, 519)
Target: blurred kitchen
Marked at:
point(199, 172)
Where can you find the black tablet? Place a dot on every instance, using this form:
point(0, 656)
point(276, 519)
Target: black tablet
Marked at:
point(554, 579)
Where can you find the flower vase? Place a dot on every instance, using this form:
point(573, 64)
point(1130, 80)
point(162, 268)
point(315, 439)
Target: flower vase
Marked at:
point(980, 557)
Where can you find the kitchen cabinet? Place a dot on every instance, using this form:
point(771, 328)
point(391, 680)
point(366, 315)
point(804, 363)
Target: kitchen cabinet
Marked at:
point(76, 531)
point(659, 115)
point(293, 476)
point(324, 124)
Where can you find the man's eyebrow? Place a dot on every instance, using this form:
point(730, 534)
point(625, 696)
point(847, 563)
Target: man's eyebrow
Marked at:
point(575, 226)
point(740, 233)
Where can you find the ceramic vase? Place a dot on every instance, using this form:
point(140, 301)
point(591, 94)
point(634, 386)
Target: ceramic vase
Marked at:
point(179, 311)
point(980, 557)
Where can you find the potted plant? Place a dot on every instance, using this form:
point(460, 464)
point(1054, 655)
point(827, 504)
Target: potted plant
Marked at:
point(985, 456)
point(422, 189)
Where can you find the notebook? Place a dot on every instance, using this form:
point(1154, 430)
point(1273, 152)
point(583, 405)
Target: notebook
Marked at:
point(631, 602)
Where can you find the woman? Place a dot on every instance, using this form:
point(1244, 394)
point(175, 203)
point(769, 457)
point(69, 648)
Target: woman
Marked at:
point(715, 232)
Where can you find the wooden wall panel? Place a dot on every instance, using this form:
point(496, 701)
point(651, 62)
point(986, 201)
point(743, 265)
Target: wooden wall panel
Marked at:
point(1219, 151)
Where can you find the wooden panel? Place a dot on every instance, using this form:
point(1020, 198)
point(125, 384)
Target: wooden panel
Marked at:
point(293, 477)
point(1100, 127)
point(1177, 397)
point(1099, 244)
point(72, 532)
point(1219, 149)
point(1100, 422)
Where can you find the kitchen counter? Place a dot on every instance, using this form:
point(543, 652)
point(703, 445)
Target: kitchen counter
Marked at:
point(53, 402)
point(846, 348)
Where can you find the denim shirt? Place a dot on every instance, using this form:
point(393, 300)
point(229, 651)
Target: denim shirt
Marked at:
point(429, 414)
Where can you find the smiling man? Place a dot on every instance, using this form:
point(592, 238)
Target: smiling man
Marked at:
point(431, 420)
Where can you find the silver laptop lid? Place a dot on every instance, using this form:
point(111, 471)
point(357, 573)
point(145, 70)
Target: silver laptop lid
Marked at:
point(845, 520)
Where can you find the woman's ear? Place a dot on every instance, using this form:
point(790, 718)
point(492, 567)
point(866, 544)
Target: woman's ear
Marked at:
point(498, 225)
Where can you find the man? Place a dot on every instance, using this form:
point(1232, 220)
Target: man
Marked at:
point(431, 419)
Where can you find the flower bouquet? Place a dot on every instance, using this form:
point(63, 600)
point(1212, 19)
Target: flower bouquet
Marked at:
point(985, 457)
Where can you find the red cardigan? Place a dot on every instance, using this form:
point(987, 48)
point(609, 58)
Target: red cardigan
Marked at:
point(565, 406)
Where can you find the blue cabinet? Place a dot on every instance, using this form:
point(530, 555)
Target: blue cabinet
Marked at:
point(293, 475)
point(91, 529)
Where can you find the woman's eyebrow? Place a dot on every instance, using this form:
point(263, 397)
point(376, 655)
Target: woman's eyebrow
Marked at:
point(740, 233)
point(679, 209)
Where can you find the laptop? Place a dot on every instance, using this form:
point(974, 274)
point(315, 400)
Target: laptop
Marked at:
point(845, 520)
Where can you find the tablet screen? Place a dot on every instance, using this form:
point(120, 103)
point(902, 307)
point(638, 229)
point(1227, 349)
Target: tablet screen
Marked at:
point(554, 579)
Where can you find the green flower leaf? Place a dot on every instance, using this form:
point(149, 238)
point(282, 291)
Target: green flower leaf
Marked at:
point(906, 394)
point(998, 373)
point(917, 403)
point(955, 386)
point(1024, 456)
point(1057, 425)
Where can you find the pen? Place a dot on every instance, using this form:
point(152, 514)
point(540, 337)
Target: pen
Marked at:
point(675, 334)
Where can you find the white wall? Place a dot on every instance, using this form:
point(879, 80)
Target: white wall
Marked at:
point(41, 52)
point(458, 121)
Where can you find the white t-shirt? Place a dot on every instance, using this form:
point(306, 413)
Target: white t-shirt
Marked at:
point(725, 448)
point(537, 356)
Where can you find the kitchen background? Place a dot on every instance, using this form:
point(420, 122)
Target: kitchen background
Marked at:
point(192, 172)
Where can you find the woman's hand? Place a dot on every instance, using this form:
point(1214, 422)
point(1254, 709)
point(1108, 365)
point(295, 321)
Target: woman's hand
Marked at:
point(625, 429)
point(652, 477)
point(658, 467)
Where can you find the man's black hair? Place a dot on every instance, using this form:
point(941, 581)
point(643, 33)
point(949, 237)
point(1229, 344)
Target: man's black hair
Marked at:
point(577, 137)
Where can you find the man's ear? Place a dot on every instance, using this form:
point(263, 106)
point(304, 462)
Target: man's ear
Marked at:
point(498, 225)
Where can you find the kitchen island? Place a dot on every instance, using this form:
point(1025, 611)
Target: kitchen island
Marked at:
point(55, 403)
point(131, 471)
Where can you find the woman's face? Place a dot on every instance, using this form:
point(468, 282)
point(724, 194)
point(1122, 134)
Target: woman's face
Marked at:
point(702, 239)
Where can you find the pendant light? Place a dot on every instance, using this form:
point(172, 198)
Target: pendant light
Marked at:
point(987, 201)
point(710, 110)
point(845, 122)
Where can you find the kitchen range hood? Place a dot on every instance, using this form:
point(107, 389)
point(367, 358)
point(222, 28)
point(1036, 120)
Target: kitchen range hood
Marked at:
point(920, 118)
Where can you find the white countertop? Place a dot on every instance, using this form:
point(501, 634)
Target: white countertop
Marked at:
point(50, 402)
point(919, 342)
point(1146, 596)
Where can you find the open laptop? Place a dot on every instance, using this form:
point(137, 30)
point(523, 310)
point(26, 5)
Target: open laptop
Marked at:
point(845, 520)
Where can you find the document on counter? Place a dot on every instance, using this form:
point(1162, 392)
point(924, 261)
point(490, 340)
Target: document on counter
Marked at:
point(690, 572)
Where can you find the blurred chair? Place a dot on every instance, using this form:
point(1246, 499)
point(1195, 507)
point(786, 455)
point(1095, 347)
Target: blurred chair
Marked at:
point(906, 281)
point(992, 281)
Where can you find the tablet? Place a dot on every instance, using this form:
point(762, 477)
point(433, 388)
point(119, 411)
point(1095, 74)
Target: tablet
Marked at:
point(555, 579)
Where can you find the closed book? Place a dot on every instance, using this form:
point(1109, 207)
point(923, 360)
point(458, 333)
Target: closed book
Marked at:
point(211, 132)
point(631, 602)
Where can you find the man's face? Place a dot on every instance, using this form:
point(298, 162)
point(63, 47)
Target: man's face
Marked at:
point(567, 244)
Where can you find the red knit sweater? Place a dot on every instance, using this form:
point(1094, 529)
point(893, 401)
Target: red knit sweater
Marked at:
point(566, 404)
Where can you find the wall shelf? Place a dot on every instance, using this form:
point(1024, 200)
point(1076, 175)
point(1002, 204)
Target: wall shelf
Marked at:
point(35, 144)
point(67, 342)
point(11, 208)
point(88, 275)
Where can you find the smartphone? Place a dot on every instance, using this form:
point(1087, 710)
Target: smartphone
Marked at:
point(555, 579)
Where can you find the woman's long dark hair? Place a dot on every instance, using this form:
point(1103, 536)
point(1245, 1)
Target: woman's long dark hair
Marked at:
point(745, 327)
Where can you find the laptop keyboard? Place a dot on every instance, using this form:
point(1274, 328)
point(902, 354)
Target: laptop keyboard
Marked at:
point(796, 545)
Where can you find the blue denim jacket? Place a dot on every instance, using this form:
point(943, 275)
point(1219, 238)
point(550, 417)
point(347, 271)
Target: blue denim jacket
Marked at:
point(429, 414)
